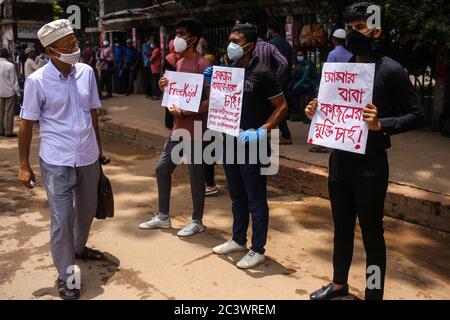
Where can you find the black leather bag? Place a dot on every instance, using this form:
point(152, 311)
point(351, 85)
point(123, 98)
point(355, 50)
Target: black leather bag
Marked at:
point(105, 197)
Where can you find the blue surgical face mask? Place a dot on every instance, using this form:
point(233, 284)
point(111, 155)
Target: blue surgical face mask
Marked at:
point(300, 59)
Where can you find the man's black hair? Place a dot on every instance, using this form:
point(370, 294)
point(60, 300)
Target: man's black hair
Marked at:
point(302, 49)
point(274, 26)
point(248, 30)
point(4, 53)
point(357, 11)
point(155, 37)
point(339, 40)
point(192, 26)
point(261, 30)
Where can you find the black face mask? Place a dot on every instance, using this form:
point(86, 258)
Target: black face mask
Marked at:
point(358, 43)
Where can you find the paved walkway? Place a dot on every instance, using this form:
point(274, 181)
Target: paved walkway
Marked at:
point(156, 264)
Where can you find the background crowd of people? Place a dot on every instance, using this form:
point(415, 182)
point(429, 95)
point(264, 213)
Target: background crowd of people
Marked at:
point(117, 66)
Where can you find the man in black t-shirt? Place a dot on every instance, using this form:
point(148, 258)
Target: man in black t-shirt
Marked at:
point(357, 183)
point(263, 107)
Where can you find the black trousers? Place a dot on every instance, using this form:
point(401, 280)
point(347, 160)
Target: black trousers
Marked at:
point(106, 81)
point(210, 168)
point(283, 126)
point(284, 129)
point(127, 77)
point(168, 119)
point(357, 187)
point(147, 79)
point(209, 175)
point(118, 78)
point(155, 87)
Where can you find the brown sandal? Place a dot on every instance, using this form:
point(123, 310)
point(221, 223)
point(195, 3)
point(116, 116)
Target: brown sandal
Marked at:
point(66, 293)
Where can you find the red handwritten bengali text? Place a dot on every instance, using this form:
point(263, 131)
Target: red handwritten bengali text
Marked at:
point(341, 113)
point(222, 75)
point(351, 95)
point(342, 77)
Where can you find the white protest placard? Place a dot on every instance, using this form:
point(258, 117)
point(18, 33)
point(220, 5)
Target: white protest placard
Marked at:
point(345, 89)
point(183, 90)
point(225, 100)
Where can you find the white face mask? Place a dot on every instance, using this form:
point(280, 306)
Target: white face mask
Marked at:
point(69, 58)
point(235, 51)
point(180, 45)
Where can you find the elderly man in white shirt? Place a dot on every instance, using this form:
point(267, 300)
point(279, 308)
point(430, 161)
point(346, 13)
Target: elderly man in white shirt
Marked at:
point(9, 90)
point(63, 96)
point(30, 65)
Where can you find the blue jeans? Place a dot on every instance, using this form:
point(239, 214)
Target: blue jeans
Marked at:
point(248, 192)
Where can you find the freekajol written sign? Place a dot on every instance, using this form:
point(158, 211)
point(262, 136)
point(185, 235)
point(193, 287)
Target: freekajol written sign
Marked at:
point(345, 89)
point(225, 100)
point(183, 90)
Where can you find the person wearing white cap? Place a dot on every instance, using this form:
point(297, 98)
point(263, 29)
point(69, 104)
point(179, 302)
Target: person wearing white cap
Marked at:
point(30, 65)
point(339, 53)
point(63, 96)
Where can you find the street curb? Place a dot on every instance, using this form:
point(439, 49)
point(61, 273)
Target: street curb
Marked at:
point(403, 202)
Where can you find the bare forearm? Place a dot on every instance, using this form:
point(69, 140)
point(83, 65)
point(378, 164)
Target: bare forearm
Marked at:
point(278, 114)
point(25, 136)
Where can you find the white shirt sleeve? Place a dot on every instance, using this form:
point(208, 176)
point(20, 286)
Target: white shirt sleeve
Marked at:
point(94, 98)
point(32, 100)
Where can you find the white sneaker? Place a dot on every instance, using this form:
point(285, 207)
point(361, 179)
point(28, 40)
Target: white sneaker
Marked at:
point(251, 260)
point(210, 191)
point(191, 228)
point(229, 247)
point(156, 223)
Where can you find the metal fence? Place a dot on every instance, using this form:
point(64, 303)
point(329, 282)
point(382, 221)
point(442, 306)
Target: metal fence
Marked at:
point(217, 37)
point(424, 85)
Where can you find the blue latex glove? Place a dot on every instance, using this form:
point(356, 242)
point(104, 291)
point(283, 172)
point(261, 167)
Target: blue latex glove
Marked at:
point(251, 135)
point(208, 74)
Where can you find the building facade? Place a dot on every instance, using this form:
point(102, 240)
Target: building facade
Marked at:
point(21, 19)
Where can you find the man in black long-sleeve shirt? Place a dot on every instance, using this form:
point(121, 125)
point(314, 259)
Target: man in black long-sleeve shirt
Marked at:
point(358, 183)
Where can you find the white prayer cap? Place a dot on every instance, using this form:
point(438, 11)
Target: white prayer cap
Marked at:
point(340, 34)
point(54, 30)
point(29, 49)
